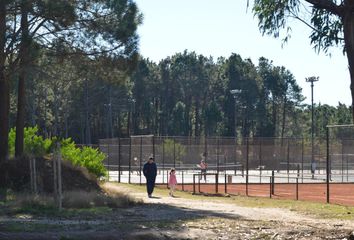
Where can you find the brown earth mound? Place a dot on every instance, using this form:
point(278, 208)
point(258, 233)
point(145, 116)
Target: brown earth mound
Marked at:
point(15, 174)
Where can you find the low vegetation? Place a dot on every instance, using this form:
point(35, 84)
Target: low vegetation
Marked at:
point(36, 145)
point(73, 202)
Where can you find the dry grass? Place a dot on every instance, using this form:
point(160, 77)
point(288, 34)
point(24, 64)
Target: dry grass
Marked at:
point(32, 201)
point(81, 199)
point(27, 202)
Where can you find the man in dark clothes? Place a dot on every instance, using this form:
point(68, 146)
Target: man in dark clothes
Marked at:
point(150, 172)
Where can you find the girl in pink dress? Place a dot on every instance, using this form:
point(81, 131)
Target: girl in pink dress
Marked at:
point(172, 181)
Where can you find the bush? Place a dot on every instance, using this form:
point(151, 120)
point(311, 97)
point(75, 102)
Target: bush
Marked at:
point(34, 144)
point(92, 159)
point(87, 157)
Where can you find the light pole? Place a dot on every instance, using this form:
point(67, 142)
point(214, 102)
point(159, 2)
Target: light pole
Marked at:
point(313, 166)
point(234, 93)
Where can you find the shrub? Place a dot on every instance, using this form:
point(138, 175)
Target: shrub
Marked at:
point(87, 157)
point(70, 152)
point(92, 159)
point(33, 144)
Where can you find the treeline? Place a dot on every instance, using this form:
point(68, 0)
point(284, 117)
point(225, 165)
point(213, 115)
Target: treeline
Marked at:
point(183, 95)
point(73, 69)
point(192, 95)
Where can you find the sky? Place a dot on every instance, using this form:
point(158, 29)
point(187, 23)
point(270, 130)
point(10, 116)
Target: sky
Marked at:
point(222, 27)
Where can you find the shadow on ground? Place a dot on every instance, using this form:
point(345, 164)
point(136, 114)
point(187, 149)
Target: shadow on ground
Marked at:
point(145, 221)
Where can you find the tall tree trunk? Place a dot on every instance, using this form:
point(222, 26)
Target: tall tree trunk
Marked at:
point(348, 27)
point(4, 88)
point(21, 102)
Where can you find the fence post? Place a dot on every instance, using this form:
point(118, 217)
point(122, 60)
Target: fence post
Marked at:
point(199, 184)
point(235, 155)
point(217, 183)
point(174, 152)
point(288, 160)
point(342, 163)
point(119, 160)
point(108, 157)
point(217, 156)
point(302, 161)
point(182, 180)
point(270, 187)
point(260, 160)
point(273, 182)
point(206, 148)
point(33, 174)
point(59, 179)
point(57, 176)
point(247, 156)
point(163, 162)
point(193, 183)
point(153, 147)
point(347, 169)
point(297, 188)
point(225, 183)
point(130, 156)
point(327, 163)
point(140, 158)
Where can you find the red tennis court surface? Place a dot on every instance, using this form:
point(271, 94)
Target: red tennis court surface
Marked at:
point(316, 192)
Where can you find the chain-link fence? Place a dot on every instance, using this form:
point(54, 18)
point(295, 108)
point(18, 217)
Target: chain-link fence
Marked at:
point(243, 166)
point(254, 156)
point(341, 153)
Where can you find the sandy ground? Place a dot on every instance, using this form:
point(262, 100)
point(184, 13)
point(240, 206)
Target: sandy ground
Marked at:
point(164, 217)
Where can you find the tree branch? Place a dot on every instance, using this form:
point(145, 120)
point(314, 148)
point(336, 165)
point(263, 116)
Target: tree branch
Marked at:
point(327, 5)
point(309, 25)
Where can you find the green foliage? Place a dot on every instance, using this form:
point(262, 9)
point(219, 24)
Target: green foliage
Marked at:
point(174, 149)
point(325, 20)
point(70, 152)
point(33, 144)
point(87, 157)
point(92, 159)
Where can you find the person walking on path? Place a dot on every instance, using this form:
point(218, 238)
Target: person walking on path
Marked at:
point(172, 181)
point(150, 172)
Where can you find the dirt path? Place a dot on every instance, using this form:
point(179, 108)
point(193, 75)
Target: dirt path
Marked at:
point(260, 214)
point(164, 217)
point(262, 223)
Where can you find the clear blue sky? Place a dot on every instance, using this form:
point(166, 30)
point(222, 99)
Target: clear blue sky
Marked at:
point(221, 27)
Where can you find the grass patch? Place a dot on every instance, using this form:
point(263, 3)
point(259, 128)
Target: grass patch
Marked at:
point(80, 199)
point(85, 204)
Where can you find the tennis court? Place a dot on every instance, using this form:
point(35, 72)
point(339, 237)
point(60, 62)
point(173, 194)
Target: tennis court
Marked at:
point(264, 167)
point(342, 194)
